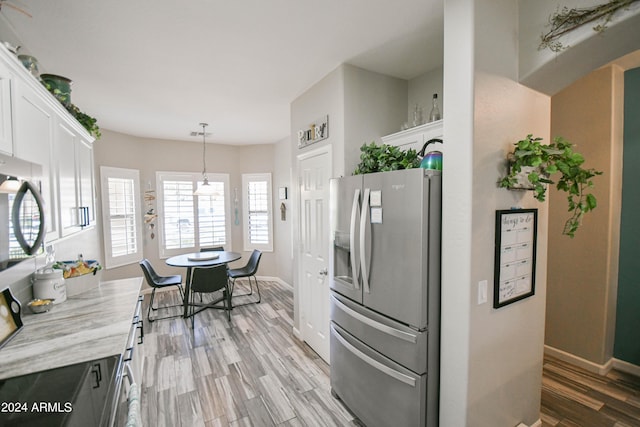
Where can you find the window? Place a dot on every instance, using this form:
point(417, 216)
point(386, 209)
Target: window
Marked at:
point(257, 217)
point(190, 222)
point(121, 216)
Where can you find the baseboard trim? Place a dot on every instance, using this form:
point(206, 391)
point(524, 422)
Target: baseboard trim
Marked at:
point(579, 361)
point(626, 367)
point(604, 369)
point(297, 334)
point(275, 279)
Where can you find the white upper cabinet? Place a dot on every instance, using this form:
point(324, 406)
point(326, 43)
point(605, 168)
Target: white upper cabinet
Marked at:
point(34, 124)
point(6, 133)
point(415, 137)
point(35, 127)
point(75, 180)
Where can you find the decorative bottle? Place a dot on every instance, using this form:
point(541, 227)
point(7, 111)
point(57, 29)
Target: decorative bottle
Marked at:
point(435, 111)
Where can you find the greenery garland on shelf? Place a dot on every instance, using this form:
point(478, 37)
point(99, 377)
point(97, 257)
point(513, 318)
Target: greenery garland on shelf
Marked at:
point(541, 161)
point(88, 122)
point(568, 19)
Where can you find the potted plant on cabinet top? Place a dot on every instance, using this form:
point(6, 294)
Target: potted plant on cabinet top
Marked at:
point(540, 162)
point(381, 158)
point(60, 88)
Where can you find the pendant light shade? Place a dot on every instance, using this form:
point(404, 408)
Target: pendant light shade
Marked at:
point(205, 189)
point(10, 185)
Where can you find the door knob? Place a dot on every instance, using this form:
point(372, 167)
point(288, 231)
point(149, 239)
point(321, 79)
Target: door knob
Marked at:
point(323, 272)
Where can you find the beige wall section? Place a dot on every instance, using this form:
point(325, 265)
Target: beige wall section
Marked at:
point(150, 155)
point(582, 280)
point(421, 90)
point(374, 106)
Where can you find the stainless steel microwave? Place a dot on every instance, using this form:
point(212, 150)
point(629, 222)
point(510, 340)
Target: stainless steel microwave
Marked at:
point(22, 214)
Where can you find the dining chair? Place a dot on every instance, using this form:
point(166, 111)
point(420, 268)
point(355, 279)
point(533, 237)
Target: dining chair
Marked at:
point(160, 282)
point(247, 271)
point(210, 280)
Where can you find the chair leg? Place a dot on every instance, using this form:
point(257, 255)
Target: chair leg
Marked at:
point(258, 289)
point(227, 303)
point(192, 314)
point(247, 294)
point(153, 294)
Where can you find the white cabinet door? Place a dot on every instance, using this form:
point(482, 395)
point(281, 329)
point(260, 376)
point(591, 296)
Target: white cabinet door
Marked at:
point(84, 159)
point(68, 196)
point(33, 126)
point(6, 133)
point(75, 180)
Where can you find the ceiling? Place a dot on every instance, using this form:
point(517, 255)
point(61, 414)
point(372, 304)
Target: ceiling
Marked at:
point(156, 69)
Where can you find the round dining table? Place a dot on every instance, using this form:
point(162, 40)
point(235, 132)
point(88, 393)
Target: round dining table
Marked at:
point(199, 259)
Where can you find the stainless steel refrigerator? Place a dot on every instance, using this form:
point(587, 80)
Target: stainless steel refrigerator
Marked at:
point(385, 296)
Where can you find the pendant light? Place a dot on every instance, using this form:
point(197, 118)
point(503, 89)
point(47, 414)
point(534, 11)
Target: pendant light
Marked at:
point(205, 189)
point(10, 186)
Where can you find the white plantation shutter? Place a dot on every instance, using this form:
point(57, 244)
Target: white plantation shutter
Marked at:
point(212, 217)
point(121, 216)
point(258, 232)
point(178, 214)
point(190, 222)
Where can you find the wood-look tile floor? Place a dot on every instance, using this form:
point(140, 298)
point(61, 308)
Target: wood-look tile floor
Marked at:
point(247, 372)
point(253, 372)
point(573, 397)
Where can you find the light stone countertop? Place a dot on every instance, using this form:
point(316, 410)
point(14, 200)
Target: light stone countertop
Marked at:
point(89, 326)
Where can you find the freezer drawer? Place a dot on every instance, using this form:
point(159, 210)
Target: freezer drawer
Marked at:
point(396, 341)
point(377, 390)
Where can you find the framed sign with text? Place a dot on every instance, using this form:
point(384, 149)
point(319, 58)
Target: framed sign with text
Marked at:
point(317, 131)
point(514, 274)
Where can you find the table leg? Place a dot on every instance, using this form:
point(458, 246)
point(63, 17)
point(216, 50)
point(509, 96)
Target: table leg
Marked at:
point(187, 292)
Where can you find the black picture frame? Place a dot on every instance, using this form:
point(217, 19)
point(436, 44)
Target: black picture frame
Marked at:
point(514, 276)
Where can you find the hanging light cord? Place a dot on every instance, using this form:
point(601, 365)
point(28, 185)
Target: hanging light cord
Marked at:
point(204, 152)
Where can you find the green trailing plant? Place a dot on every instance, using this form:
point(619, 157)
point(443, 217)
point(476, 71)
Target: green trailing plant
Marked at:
point(88, 122)
point(381, 158)
point(568, 19)
point(540, 162)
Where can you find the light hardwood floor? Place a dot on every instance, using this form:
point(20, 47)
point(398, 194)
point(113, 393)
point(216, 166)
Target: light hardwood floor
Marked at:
point(251, 371)
point(573, 397)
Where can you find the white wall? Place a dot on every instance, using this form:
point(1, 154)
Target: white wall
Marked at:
point(323, 98)
point(374, 106)
point(282, 231)
point(421, 90)
point(150, 155)
point(491, 358)
point(549, 72)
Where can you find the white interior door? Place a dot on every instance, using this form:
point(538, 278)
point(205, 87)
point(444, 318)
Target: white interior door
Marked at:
point(314, 171)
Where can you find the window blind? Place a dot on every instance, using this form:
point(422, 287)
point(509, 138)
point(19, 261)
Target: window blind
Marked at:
point(122, 217)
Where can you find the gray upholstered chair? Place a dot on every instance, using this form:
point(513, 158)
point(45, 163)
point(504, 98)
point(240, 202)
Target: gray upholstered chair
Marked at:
point(159, 282)
point(210, 280)
point(248, 271)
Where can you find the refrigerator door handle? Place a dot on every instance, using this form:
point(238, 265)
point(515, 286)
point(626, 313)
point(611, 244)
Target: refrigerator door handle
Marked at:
point(374, 363)
point(376, 325)
point(355, 262)
point(365, 246)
